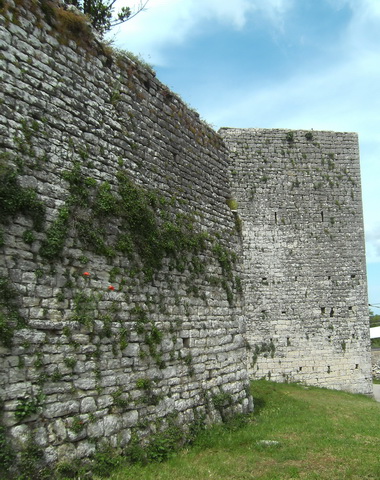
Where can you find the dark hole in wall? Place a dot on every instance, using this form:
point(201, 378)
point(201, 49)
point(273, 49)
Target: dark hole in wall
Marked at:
point(322, 216)
point(186, 342)
point(275, 217)
point(356, 366)
point(147, 84)
point(332, 312)
point(323, 310)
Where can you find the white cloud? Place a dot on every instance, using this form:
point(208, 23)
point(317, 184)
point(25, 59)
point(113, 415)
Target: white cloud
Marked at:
point(363, 31)
point(171, 22)
point(340, 95)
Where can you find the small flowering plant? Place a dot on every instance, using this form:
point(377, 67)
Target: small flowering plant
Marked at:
point(111, 288)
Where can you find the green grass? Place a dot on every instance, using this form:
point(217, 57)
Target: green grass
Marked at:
point(319, 434)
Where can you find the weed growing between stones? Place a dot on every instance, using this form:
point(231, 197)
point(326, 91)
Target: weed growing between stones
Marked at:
point(10, 318)
point(77, 424)
point(7, 454)
point(15, 200)
point(27, 407)
point(169, 438)
point(265, 348)
point(148, 230)
point(149, 397)
point(309, 136)
point(290, 137)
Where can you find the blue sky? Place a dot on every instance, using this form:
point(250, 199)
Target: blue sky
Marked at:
point(275, 64)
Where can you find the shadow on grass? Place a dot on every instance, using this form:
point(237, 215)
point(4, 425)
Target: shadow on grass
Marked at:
point(258, 404)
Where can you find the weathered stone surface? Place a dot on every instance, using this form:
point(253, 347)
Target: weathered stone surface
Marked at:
point(299, 200)
point(108, 345)
point(60, 409)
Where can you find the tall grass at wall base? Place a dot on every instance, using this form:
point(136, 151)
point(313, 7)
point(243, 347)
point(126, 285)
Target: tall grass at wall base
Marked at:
point(296, 433)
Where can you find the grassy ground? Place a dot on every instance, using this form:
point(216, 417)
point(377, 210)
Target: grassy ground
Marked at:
point(296, 433)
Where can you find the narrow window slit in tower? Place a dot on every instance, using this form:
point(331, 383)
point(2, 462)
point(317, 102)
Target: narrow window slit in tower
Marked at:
point(356, 366)
point(275, 217)
point(186, 342)
point(323, 310)
point(322, 216)
point(332, 312)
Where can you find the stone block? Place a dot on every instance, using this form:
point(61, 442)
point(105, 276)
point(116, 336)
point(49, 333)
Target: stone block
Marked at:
point(61, 409)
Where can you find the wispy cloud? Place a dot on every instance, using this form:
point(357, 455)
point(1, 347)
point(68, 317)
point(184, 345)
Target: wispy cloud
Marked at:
point(166, 23)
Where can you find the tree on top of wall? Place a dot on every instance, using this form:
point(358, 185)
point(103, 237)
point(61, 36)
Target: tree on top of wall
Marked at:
point(102, 12)
point(374, 320)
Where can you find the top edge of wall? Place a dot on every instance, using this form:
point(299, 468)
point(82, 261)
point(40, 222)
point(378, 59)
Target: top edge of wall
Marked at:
point(280, 130)
point(110, 57)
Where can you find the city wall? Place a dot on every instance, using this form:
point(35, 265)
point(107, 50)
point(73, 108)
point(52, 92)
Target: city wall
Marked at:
point(151, 266)
point(121, 292)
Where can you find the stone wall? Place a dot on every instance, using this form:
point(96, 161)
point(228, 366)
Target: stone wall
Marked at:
point(129, 273)
point(299, 201)
point(121, 300)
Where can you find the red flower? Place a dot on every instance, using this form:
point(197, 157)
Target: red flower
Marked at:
point(86, 274)
point(111, 287)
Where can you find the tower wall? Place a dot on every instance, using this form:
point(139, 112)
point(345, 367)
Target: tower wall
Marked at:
point(299, 200)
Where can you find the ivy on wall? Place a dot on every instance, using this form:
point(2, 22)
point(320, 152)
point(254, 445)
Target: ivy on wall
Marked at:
point(146, 241)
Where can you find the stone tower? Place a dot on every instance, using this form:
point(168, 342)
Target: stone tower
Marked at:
point(299, 201)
